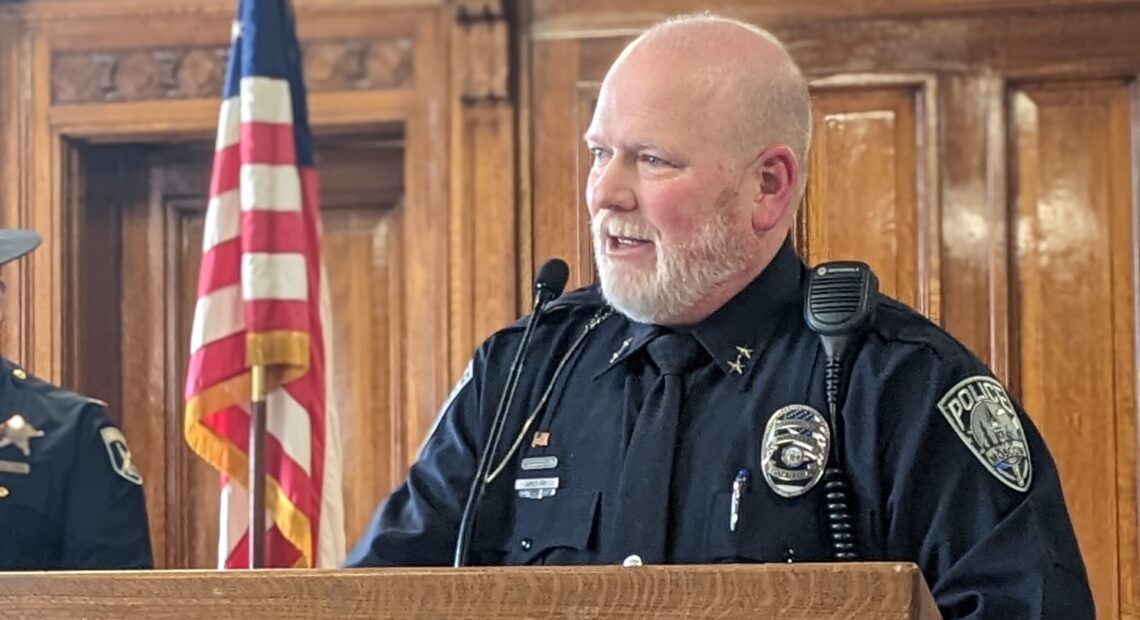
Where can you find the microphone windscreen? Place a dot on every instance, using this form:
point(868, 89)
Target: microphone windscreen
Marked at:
point(552, 277)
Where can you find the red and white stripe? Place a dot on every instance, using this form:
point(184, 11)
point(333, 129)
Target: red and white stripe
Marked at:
point(261, 273)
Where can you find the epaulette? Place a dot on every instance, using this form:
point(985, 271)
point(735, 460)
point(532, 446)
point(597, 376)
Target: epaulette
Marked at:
point(585, 297)
point(22, 378)
point(588, 298)
point(897, 322)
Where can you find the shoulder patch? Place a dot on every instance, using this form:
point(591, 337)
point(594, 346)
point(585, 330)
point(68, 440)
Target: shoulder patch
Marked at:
point(464, 379)
point(981, 413)
point(120, 454)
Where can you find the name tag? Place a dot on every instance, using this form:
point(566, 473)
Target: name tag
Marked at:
point(15, 467)
point(539, 462)
point(532, 484)
point(537, 493)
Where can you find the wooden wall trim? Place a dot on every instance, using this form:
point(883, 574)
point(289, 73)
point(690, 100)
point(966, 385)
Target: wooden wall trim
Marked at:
point(524, 191)
point(199, 117)
point(426, 227)
point(583, 19)
point(14, 205)
point(41, 35)
point(975, 216)
point(79, 10)
point(483, 178)
point(480, 57)
point(1129, 477)
point(43, 165)
point(191, 72)
point(1027, 45)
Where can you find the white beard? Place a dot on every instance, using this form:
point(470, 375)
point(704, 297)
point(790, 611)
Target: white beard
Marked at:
point(684, 273)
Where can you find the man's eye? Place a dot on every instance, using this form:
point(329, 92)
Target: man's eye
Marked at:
point(597, 152)
point(653, 161)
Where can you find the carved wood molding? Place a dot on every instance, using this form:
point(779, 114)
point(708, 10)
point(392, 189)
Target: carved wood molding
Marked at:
point(198, 72)
point(482, 51)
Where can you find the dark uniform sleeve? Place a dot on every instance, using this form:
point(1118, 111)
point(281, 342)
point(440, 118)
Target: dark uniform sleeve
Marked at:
point(105, 526)
point(417, 525)
point(987, 548)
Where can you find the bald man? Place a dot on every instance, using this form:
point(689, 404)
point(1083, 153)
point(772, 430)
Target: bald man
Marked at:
point(678, 412)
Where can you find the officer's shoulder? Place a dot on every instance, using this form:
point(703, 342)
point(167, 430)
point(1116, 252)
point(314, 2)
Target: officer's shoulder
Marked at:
point(577, 306)
point(898, 326)
point(54, 400)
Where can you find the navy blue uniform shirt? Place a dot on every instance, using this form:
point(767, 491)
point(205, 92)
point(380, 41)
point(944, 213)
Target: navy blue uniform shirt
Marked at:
point(945, 470)
point(70, 496)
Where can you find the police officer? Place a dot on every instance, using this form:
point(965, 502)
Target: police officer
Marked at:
point(70, 495)
point(678, 413)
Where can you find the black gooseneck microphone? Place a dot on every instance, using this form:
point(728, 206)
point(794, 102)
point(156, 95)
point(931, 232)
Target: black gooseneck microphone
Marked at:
point(548, 285)
point(839, 306)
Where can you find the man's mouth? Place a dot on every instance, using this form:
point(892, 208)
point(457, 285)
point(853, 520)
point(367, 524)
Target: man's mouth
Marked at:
point(621, 245)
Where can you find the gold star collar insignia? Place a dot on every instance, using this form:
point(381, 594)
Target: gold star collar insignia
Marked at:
point(16, 431)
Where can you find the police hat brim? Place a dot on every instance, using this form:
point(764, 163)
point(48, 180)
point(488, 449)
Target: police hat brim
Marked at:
point(15, 243)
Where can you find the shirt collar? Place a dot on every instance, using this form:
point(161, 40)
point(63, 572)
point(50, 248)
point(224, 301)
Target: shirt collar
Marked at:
point(738, 333)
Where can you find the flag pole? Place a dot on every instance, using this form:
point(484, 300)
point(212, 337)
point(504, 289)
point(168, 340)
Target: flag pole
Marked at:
point(257, 468)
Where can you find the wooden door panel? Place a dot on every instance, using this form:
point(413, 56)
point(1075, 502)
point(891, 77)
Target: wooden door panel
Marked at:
point(361, 258)
point(557, 219)
point(361, 186)
point(863, 200)
point(195, 484)
point(1075, 319)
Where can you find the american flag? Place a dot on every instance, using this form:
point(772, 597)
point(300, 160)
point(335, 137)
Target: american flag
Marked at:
point(262, 299)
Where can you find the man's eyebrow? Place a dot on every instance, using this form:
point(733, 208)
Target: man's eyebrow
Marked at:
point(643, 145)
point(646, 145)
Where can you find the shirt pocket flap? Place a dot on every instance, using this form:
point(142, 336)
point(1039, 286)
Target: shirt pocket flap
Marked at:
point(26, 491)
point(554, 530)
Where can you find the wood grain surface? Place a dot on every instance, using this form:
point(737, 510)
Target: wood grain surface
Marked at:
point(871, 591)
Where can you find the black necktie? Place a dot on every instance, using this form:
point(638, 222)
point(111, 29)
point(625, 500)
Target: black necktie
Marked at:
point(642, 521)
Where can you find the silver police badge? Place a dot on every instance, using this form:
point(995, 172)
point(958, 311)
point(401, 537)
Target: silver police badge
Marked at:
point(981, 413)
point(794, 450)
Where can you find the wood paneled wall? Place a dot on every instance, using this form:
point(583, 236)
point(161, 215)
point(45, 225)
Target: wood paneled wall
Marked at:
point(104, 105)
point(982, 155)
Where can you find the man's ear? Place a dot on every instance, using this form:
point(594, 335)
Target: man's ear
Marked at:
point(775, 172)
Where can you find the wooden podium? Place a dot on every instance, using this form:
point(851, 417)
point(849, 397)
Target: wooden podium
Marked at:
point(784, 591)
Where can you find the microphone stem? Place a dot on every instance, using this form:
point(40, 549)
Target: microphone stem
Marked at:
point(494, 435)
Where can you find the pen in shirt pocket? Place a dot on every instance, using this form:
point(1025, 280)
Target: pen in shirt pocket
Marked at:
point(739, 485)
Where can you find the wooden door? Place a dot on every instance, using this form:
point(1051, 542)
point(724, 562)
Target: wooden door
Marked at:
point(982, 159)
point(145, 208)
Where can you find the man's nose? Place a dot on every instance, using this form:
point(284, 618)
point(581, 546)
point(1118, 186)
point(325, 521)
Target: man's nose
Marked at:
point(612, 188)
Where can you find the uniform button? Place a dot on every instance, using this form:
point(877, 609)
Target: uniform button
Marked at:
point(19, 374)
point(632, 561)
point(3, 492)
point(526, 544)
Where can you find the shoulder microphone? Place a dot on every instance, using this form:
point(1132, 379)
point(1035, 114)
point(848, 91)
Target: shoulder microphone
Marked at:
point(548, 285)
point(839, 306)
